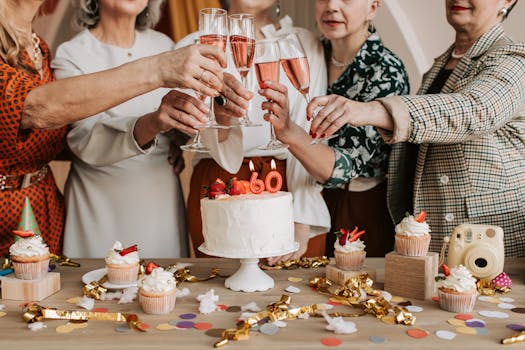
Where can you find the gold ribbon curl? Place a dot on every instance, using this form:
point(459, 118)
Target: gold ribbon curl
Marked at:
point(516, 338)
point(488, 288)
point(305, 263)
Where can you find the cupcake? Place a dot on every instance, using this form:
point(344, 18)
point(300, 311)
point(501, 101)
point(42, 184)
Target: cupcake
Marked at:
point(349, 250)
point(412, 236)
point(456, 289)
point(157, 292)
point(122, 264)
point(29, 255)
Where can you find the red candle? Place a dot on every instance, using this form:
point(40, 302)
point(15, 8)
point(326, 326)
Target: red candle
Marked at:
point(256, 185)
point(273, 175)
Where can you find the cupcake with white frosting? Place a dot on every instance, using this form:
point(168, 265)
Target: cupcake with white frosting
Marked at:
point(29, 255)
point(456, 289)
point(413, 236)
point(349, 250)
point(157, 292)
point(122, 264)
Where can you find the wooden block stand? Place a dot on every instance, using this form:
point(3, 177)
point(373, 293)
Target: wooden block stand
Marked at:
point(341, 276)
point(411, 276)
point(30, 290)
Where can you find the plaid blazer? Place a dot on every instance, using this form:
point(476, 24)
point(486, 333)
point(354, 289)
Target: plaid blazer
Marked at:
point(470, 165)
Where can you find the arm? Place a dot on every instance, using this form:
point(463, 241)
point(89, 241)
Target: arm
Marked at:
point(49, 107)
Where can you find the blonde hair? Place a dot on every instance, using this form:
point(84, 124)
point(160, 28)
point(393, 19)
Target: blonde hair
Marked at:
point(10, 42)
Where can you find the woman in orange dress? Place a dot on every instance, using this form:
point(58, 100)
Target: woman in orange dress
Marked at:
point(31, 100)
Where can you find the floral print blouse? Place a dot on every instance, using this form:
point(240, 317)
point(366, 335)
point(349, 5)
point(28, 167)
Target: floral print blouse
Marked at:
point(375, 72)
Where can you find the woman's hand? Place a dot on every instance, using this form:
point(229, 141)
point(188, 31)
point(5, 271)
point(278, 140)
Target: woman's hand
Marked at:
point(302, 235)
point(237, 100)
point(277, 102)
point(177, 111)
point(196, 67)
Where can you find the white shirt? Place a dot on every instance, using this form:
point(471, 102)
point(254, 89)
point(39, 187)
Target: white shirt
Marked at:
point(116, 190)
point(309, 205)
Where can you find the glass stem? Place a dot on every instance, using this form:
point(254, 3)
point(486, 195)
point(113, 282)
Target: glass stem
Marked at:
point(243, 82)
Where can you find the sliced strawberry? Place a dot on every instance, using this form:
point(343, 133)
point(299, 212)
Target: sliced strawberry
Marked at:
point(237, 188)
point(23, 233)
point(355, 236)
point(446, 270)
point(422, 216)
point(343, 235)
point(128, 250)
point(150, 267)
point(218, 186)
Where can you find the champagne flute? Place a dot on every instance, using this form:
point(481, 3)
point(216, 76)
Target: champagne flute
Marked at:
point(213, 30)
point(267, 69)
point(242, 44)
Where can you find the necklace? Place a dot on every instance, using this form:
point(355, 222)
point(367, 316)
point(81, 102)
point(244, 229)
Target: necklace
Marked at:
point(37, 53)
point(453, 54)
point(338, 64)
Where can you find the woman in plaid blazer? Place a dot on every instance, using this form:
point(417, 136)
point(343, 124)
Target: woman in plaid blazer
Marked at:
point(459, 148)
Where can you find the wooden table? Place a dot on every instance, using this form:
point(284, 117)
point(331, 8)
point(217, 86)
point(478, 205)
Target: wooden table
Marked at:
point(299, 334)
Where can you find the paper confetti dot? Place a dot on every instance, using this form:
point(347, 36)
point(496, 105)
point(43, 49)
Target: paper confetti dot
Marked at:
point(165, 327)
point(215, 332)
point(516, 327)
point(519, 310)
point(292, 289)
point(334, 303)
point(464, 317)
point(377, 339)
point(323, 306)
point(233, 309)
point(222, 307)
point(396, 299)
point(74, 300)
point(2, 314)
point(185, 324)
point(386, 295)
point(173, 322)
point(331, 341)
point(475, 323)
point(143, 326)
point(467, 330)
point(506, 306)
point(405, 303)
point(203, 326)
point(269, 329)
point(506, 300)
point(295, 279)
point(414, 308)
point(417, 333)
point(436, 298)
point(456, 322)
point(493, 300)
point(495, 314)
point(100, 309)
point(482, 331)
point(123, 329)
point(447, 335)
point(187, 316)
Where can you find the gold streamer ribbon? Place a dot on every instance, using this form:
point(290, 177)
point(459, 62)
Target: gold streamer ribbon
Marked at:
point(305, 263)
point(183, 275)
point(63, 260)
point(486, 287)
point(516, 338)
point(36, 313)
point(95, 289)
point(6, 264)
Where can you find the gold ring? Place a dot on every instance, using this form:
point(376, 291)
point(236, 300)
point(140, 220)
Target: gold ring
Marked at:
point(202, 74)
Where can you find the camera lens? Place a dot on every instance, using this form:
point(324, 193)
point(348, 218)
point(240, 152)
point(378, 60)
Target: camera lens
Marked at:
point(481, 262)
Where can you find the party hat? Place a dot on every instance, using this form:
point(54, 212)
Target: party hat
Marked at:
point(27, 220)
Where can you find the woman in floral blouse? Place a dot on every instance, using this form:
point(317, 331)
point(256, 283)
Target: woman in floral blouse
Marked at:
point(353, 167)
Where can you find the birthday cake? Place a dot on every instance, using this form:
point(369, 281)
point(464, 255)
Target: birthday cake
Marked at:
point(248, 224)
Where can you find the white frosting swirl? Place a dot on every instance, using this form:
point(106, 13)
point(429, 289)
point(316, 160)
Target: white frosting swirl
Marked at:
point(158, 281)
point(114, 258)
point(350, 247)
point(410, 227)
point(460, 279)
point(32, 246)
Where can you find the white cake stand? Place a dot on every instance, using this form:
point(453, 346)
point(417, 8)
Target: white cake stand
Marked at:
point(249, 277)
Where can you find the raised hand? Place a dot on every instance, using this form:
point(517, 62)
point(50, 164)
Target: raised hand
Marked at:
point(237, 100)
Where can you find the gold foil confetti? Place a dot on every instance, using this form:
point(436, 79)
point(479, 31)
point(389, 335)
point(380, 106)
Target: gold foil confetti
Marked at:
point(165, 327)
point(295, 279)
point(305, 263)
point(2, 314)
point(456, 322)
point(74, 300)
point(70, 326)
point(396, 299)
point(516, 338)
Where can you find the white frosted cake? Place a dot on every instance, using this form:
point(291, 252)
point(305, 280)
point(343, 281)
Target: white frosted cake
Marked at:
point(248, 224)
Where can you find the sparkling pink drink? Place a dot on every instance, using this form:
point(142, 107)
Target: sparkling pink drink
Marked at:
point(243, 50)
point(267, 71)
point(298, 72)
point(215, 39)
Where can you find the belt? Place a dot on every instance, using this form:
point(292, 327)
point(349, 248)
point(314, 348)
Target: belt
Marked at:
point(361, 184)
point(18, 182)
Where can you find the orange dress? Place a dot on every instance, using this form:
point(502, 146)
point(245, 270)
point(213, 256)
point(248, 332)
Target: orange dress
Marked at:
point(26, 151)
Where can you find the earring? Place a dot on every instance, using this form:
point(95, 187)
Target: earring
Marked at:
point(93, 7)
point(503, 12)
point(278, 9)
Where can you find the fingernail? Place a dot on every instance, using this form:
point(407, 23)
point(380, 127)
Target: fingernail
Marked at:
point(268, 82)
point(323, 135)
point(308, 118)
point(314, 135)
point(260, 91)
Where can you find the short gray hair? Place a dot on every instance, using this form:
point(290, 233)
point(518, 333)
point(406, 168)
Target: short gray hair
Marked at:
point(87, 14)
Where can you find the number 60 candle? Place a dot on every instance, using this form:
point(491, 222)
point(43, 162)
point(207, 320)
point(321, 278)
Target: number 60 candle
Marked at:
point(273, 175)
point(256, 185)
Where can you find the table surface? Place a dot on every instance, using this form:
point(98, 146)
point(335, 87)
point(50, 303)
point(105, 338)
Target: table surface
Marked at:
point(298, 334)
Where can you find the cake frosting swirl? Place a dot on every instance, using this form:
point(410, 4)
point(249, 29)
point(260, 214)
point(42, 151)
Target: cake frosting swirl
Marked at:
point(409, 226)
point(29, 247)
point(460, 279)
point(159, 281)
point(349, 247)
point(114, 257)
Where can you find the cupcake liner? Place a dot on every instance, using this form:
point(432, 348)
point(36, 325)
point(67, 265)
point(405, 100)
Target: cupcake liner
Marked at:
point(122, 274)
point(31, 270)
point(157, 304)
point(412, 246)
point(456, 302)
point(352, 261)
